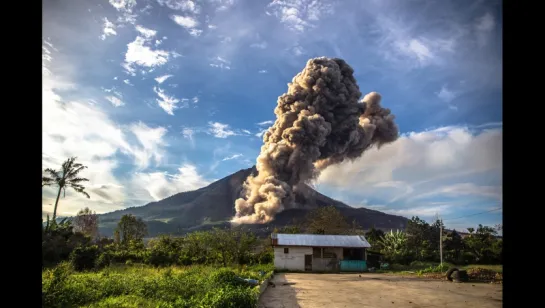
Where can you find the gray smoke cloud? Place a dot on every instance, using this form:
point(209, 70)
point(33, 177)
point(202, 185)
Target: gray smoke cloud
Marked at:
point(319, 122)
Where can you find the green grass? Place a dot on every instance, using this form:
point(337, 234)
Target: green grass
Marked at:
point(145, 286)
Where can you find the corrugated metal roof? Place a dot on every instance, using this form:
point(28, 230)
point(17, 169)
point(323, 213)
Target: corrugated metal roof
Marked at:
point(316, 240)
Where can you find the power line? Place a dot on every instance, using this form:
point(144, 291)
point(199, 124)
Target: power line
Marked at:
point(474, 214)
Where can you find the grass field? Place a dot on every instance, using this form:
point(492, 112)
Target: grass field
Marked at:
point(144, 286)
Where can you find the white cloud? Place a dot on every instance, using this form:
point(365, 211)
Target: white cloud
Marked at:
point(152, 144)
point(262, 71)
point(139, 54)
point(461, 189)
point(416, 48)
point(147, 33)
point(458, 163)
point(168, 103)
point(220, 130)
point(221, 63)
point(446, 95)
point(194, 32)
point(222, 5)
point(298, 50)
point(181, 5)
point(247, 132)
point(264, 123)
point(127, 82)
point(299, 15)
point(109, 29)
point(189, 23)
point(195, 99)
point(123, 5)
point(162, 79)
point(115, 101)
point(159, 185)
point(234, 156)
point(260, 133)
point(188, 133)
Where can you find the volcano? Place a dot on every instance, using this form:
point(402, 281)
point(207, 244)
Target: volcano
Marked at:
point(213, 206)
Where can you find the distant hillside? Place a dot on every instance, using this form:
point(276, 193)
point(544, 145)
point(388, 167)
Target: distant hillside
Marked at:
point(213, 205)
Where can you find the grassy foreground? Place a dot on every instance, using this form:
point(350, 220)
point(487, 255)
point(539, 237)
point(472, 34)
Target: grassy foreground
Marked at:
point(145, 286)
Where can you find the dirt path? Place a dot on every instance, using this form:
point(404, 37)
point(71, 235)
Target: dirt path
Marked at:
point(375, 290)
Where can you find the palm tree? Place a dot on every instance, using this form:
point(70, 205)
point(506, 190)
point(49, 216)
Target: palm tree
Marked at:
point(66, 177)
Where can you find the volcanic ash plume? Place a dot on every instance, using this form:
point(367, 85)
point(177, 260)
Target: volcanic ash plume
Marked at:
point(319, 122)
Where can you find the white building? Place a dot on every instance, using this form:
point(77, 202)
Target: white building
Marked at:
point(312, 252)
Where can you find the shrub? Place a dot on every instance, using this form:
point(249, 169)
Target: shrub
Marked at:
point(224, 277)
point(103, 260)
point(230, 297)
point(84, 257)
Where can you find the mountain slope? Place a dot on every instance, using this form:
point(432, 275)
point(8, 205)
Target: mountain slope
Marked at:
point(214, 205)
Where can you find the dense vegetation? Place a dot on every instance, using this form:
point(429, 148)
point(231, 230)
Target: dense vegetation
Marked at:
point(418, 243)
point(145, 286)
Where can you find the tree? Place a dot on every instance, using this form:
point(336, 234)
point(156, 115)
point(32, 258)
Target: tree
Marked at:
point(131, 228)
point(419, 237)
point(453, 246)
point(66, 177)
point(327, 220)
point(394, 246)
point(86, 222)
point(374, 236)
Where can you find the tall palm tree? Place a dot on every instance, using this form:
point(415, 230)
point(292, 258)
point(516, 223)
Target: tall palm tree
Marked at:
point(66, 177)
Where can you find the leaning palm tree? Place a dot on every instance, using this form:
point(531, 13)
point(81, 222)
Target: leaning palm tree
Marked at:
point(66, 177)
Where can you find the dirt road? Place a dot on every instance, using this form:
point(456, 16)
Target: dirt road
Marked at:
point(375, 290)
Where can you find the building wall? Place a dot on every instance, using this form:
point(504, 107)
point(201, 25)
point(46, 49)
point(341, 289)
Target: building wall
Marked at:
point(327, 263)
point(293, 260)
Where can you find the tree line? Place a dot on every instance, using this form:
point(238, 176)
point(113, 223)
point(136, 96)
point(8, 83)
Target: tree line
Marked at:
point(420, 241)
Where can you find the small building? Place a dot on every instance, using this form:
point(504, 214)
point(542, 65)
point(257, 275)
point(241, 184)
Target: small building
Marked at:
point(314, 252)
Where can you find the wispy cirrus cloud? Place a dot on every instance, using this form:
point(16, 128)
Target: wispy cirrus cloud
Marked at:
point(220, 130)
point(109, 29)
point(189, 23)
point(299, 15)
point(167, 102)
point(234, 156)
point(115, 101)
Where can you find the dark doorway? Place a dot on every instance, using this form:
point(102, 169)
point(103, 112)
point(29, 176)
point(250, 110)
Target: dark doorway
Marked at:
point(308, 262)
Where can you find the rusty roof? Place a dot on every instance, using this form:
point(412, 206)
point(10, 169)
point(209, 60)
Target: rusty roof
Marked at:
point(318, 240)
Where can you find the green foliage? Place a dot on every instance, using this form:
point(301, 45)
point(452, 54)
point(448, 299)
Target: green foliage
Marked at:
point(131, 229)
point(394, 247)
point(327, 220)
point(84, 257)
point(66, 177)
point(230, 297)
point(58, 242)
point(142, 286)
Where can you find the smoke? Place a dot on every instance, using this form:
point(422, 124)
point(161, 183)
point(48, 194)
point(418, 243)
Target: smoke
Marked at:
point(319, 122)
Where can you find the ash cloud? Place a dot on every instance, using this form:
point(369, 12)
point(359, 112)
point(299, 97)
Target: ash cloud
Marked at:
point(319, 122)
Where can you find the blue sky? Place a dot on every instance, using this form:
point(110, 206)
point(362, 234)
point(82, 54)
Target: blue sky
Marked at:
point(163, 96)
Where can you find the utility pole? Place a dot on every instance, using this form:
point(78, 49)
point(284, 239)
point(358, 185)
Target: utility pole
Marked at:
point(441, 243)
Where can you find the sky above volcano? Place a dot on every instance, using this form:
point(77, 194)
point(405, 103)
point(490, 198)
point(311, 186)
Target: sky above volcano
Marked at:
point(158, 97)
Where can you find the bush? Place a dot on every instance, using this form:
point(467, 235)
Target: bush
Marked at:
point(84, 258)
point(230, 297)
point(103, 260)
point(225, 277)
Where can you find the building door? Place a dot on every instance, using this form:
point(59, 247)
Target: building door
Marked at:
point(308, 262)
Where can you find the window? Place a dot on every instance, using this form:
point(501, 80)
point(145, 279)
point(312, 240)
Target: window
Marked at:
point(286, 250)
